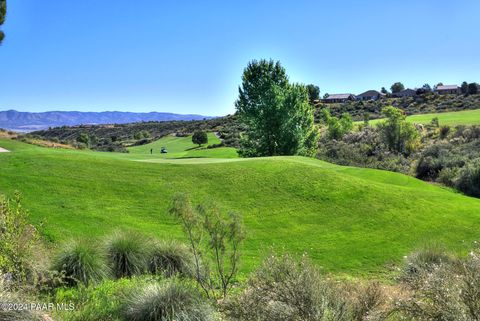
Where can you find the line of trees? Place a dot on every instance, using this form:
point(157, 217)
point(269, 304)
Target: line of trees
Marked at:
point(469, 88)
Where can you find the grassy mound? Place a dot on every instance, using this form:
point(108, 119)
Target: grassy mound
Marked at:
point(349, 220)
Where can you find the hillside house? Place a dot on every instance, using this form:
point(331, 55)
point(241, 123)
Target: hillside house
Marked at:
point(338, 98)
point(405, 93)
point(448, 89)
point(370, 95)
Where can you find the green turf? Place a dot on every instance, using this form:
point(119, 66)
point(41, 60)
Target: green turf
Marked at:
point(466, 117)
point(182, 147)
point(350, 220)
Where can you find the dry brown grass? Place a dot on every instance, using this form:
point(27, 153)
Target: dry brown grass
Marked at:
point(7, 134)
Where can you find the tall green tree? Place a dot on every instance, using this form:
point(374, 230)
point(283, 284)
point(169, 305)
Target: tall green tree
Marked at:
point(473, 88)
point(3, 13)
point(397, 87)
point(278, 115)
point(200, 138)
point(464, 87)
point(427, 88)
point(313, 93)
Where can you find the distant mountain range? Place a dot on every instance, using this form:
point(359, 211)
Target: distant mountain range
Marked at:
point(26, 122)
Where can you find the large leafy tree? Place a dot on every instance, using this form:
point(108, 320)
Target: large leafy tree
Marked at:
point(473, 88)
point(397, 87)
point(464, 87)
point(313, 93)
point(278, 115)
point(3, 12)
point(200, 138)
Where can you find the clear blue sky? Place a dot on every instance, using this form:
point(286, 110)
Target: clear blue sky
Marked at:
point(188, 56)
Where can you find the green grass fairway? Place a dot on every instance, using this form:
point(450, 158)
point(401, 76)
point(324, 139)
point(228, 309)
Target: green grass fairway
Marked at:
point(466, 117)
point(182, 147)
point(351, 221)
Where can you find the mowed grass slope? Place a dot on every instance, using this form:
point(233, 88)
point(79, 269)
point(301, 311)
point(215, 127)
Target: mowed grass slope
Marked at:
point(182, 147)
point(466, 117)
point(349, 220)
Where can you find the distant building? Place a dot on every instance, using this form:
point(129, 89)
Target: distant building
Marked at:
point(338, 98)
point(405, 93)
point(370, 95)
point(448, 89)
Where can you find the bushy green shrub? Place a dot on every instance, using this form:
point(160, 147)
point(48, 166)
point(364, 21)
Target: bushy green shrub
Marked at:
point(141, 134)
point(170, 259)
point(337, 127)
point(469, 179)
point(126, 254)
point(167, 301)
point(447, 176)
point(363, 148)
point(428, 167)
point(398, 134)
point(81, 263)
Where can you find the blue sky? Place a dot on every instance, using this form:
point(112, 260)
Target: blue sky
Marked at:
point(188, 56)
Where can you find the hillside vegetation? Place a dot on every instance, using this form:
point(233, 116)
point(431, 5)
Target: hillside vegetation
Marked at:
point(350, 220)
point(116, 137)
point(182, 147)
point(466, 117)
point(421, 104)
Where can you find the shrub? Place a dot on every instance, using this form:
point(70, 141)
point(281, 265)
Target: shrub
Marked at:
point(216, 256)
point(169, 259)
point(444, 131)
point(428, 167)
point(337, 127)
point(167, 301)
point(447, 292)
point(447, 176)
point(422, 262)
point(399, 135)
point(141, 134)
point(367, 302)
point(80, 263)
point(17, 238)
point(469, 180)
point(286, 289)
point(126, 254)
point(100, 302)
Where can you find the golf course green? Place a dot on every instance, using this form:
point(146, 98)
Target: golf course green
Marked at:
point(351, 221)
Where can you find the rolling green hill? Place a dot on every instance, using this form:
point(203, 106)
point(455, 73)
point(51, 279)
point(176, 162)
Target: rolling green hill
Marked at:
point(466, 117)
point(350, 220)
point(182, 147)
